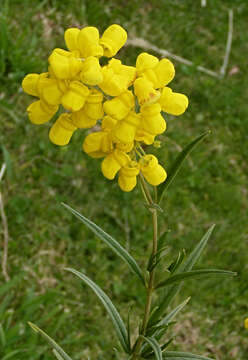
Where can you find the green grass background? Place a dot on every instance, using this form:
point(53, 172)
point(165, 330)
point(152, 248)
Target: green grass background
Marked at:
point(210, 188)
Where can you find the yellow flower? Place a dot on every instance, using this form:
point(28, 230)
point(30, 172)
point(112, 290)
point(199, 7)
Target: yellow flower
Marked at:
point(112, 84)
point(88, 42)
point(145, 91)
point(108, 122)
point(125, 129)
point(65, 64)
point(145, 62)
point(30, 83)
point(173, 103)
point(120, 106)
point(91, 111)
point(39, 112)
point(71, 38)
point(146, 137)
point(246, 323)
point(152, 171)
point(91, 73)
point(113, 162)
point(62, 130)
point(151, 119)
point(98, 144)
point(128, 72)
point(113, 38)
point(127, 178)
point(75, 97)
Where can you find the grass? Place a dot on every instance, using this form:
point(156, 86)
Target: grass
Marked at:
point(210, 188)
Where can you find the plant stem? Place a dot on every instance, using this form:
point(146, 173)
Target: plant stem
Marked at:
point(150, 286)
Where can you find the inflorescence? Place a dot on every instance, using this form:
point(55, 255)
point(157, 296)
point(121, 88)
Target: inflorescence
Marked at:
point(125, 101)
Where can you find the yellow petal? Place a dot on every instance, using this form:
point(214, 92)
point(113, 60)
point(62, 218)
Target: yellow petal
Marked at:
point(146, 137)
point(97, 144)
point(108, 122)
point(81, 120)
point(145, 91)
point(62, 130)
point(91, 73)
point(71, 38)
point(113, 162)
point(51, 92)
point(152, 120)
point(88, 42)
point(39, 112)
point(125, 129)
point(29, 84)
point(64, 64)
point(120, 106)
point(145, 61)
point(113, 38)
point(128, 72)
point(152, 171)
point(173, 103)
point(75, 97)
point(127, 179)
point(165, 72)
point(112, 84)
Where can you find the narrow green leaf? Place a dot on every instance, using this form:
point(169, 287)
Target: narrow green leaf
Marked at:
point(173, 266)
point(10, 284)
point(177, 164)
point(2, 336)
point(173, 313)
point(57, 354)
point(179, 355)
point(190, 274)
point(155, 346)
point(187, 265)
point(13, 353)
point(109, 306)
point(54, 345)
point(111, 242)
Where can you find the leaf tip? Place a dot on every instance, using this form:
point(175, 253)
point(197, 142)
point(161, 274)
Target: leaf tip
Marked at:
point(33, 326)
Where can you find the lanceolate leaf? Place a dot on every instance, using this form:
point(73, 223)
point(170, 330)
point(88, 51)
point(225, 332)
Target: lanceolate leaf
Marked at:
point(192, 274)
point(57, 355)
point(110, 241)
point(187, 265)
point(178, 355)
point(155, 346)
point(173, 313)
point(177, 164)
point(109, 306)
point(54, 345)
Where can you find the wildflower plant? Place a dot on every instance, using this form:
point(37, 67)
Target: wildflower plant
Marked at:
point(125, 108)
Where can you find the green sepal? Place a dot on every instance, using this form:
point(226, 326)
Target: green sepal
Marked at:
point(172, 172)
point(120, 328)
point(179, 355)
point(155, 346)
point(54, 345)
point(191, 274)
point(111, 242)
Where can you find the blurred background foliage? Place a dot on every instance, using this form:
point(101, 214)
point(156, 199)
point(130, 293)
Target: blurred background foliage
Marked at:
point(210, 188)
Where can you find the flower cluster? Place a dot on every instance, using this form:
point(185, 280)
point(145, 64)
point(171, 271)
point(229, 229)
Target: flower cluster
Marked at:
point(125, 101)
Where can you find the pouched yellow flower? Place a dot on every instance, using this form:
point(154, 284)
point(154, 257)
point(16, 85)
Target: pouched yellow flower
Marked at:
point(154, 173)
point(144, 136)
point(74, 99)
point(86, 41)
point(161, 74)
point(112, 84)
point(98, 144)
point(125, 129)
point(113, 38)
point(119, 106)
point(39, 112)
point(151, 119)
point(113, 162)
point(127, 178)
point(145, 91)
point(145, 62)
point(126, 147)
point(91, 73)
point(30, 83)
point(52, 90)
point(173, 103)
point(62, 130)
point(91, 111)
point(128, 72)
point(108, 122)
point(65, 64)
